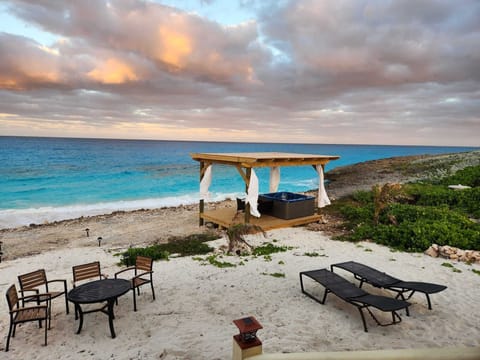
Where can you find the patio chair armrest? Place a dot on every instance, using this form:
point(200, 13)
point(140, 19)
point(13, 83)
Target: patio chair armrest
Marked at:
point(124, 270)
point(59, 280)
point(13, 311)
point(143, 273)
point(38, 295)
point(24, 290)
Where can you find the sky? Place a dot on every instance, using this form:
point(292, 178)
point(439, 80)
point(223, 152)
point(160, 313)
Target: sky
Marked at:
point(397, 72)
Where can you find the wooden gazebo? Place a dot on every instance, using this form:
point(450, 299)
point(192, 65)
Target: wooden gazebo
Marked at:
point(244, 163)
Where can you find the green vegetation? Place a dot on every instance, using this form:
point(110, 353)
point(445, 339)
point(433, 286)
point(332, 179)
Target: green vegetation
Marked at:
point(313, 254)
point(454, 269)
point(187, 246)
point(414, 216)
point(269, 248)
point(276, 274)
point(212, 259)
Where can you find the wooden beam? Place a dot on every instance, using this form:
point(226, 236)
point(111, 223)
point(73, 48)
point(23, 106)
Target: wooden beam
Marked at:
point(242, 174)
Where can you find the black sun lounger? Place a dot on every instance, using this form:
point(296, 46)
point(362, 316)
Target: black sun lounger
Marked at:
point(352, 294)
point(380, 279)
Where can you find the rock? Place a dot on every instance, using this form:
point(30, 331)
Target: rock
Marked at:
point(431, 251)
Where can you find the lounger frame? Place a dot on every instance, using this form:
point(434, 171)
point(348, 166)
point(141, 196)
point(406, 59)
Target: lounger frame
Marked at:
point(347, 291)
point(376, 278)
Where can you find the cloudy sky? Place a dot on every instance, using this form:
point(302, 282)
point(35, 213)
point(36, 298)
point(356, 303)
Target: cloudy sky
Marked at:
point(306, 71)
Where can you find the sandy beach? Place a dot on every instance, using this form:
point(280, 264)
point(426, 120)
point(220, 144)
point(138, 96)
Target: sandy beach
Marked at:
point(192, 315)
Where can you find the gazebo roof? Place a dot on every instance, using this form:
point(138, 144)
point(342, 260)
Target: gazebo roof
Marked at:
point(261, 159)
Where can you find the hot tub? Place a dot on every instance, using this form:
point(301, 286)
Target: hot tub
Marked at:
point(288, 205)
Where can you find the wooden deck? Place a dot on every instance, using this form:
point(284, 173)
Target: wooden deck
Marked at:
point(226, 217)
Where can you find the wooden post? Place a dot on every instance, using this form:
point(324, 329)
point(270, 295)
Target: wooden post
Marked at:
point(318, 212)
point(201, 205)
point(247, 205)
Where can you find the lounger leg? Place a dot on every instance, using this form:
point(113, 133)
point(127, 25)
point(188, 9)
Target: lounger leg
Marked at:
point(363, 319)
point(400, 295)
point(301, 283)
point(310, 295)
point(325, 296)
point(395, 315)
point(429, 303)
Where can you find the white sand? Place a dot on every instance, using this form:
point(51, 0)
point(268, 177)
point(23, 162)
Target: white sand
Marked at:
point(192, 315)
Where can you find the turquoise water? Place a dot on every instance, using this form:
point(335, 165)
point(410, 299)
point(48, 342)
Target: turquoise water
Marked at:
point(46, 179)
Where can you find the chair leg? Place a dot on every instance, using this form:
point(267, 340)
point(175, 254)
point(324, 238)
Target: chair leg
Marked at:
point(66, 303)
point(153, 291)
point(10, 333)
point(46, 331)
point(134, 300)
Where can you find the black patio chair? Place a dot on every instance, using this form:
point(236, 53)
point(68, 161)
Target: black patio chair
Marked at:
point(347, 291)
point(379, 279)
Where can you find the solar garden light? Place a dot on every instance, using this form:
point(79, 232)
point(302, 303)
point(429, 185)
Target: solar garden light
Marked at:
point(246, 344)
point(99, 240)
point(87, 230)
point(1, 253)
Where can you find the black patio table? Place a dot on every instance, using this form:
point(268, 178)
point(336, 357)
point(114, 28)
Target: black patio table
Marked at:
point(96, 292)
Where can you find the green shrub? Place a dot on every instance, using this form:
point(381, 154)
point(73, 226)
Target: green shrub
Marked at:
point(469, 176)
point(190, 245)
point(433, 214)
point(466, 200)
point(363, 197)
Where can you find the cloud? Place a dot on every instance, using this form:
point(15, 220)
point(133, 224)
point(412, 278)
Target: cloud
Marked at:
point(306, 71)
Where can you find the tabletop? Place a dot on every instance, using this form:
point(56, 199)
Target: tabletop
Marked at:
point(99, 290)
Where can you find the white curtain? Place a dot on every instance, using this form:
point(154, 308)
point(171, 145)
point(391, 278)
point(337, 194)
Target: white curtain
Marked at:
point(205, 182)
point(323, 199)
point(252, 195)
point(274, 178)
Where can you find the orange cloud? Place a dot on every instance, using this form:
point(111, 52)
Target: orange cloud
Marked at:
point(113, 71)
point(176, 47)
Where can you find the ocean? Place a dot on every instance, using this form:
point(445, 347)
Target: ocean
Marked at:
point(50, 179)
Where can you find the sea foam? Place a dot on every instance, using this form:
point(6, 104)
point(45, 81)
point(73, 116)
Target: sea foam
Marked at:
point(11, 218)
